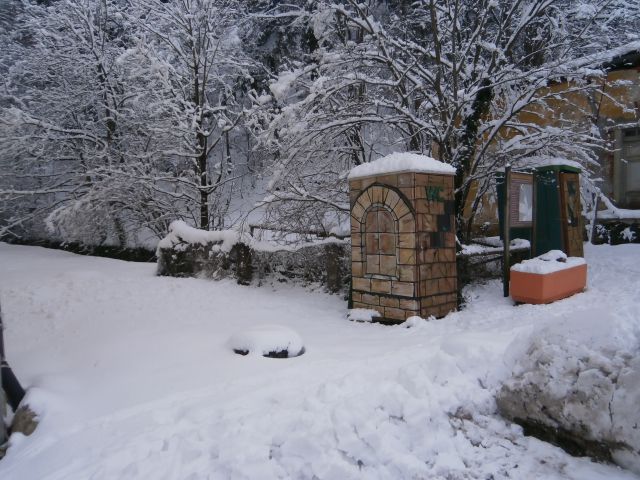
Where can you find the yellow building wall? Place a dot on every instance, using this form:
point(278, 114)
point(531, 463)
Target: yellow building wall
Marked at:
point(618, 104)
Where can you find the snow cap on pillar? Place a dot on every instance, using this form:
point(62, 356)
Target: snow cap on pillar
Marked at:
point(401, 162)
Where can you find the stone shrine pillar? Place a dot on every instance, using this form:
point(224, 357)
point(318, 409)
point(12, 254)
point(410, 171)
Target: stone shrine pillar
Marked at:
point(403, 255)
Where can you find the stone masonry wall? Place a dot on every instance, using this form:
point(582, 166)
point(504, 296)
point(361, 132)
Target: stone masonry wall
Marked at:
point(403, 245)
point(324, 263)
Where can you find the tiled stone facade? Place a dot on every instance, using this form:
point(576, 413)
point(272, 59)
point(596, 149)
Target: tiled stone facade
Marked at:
point(403, 245)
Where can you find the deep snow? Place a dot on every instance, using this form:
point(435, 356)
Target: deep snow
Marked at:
point(133, 378)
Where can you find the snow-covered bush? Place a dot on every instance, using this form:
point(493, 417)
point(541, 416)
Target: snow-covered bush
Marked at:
point(617, 232)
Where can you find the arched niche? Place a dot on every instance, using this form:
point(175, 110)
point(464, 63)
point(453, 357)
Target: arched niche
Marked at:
point(380, 242)
point(383, 214)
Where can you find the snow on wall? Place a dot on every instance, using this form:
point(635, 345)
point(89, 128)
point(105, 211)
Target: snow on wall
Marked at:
point(401, 162)
point(190, 252)
point(478, 249)
point(181, 235)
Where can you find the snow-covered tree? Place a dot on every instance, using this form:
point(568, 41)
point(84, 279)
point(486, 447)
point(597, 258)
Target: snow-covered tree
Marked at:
point(193, 50)
point(118, 118)
point(77, 149)
point(472, 83)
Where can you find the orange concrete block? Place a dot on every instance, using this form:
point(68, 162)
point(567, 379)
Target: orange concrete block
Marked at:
point(541, 288)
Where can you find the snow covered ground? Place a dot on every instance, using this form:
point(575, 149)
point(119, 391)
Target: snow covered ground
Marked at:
point(133, 378)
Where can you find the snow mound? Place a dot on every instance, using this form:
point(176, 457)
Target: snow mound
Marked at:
point(362, 315)
point(415, 322)
point(401, 162)
point(552, 261)
point(579, 381)
point(267, 341)
point(551, 255)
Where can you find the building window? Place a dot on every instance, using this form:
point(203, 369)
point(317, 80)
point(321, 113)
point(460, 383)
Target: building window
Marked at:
point(630, 166)
point(521, 201)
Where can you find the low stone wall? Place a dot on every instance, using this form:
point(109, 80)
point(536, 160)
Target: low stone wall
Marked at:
point(325, 263)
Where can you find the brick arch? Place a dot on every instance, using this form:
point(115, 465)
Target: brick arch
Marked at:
point(390, 198)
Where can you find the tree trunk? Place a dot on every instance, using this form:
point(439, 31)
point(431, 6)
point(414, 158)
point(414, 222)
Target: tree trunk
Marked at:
point(464, 168)
point(204, 180)
point(204, 192)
